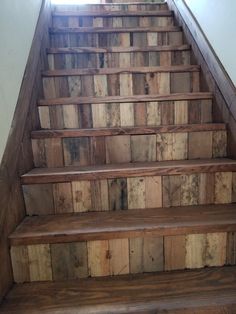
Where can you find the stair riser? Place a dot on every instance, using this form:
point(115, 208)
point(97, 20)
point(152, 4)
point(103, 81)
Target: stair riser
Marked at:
point(113, 7)
point(127, 21)
point(130, 193)
point(124, 39)
point(125, 114)
point(121, 84)
point(84, 151)
point(65, 261)
point(116, 60)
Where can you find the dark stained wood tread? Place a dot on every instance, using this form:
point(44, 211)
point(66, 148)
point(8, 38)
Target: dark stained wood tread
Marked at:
point(124, 99)
point(113, 13)
point(67, 174)
point(65, 30)
point(125, 224)
point(107, 71)
point(128, 130)
point(116, 49)
point(167, 292)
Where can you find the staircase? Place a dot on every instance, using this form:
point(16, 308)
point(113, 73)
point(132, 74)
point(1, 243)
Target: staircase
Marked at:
point(132, 185)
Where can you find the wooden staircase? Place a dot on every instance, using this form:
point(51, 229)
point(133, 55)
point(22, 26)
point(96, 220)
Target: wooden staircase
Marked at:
point(132, 184)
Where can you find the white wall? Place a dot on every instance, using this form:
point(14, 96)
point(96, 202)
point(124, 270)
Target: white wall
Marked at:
point(18, 19)
point(217, 20)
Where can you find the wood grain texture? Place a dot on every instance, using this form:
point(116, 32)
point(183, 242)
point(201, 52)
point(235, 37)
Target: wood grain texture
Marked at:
point(209, 289)
point(132, 223)
point(129, 170)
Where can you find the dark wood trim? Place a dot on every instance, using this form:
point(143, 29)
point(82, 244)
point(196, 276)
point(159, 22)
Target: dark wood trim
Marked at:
point(125, 224)
point(112, 13)
point(215, 76)
point(110, 171)
point(116, 49)
point(17, 158)
point(66, 30)
point(123, 99)
point(42, 134)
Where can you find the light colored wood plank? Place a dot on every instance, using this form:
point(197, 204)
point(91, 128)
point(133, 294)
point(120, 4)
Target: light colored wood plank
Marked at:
point(136, 255)
point(153, 192)
point(71, 116)
point(127, 114)
point(82, 200)
point(216, 249)
point(118, 149)
point(174, 252)
point(223, 187)
point(136, 192)
point(172, 146)
point(100, 85)
point(98, 258)
point(163, 83)
point(119, 256)
point(99, 115)
point(195, 250)
point(124, 60)
point(126, 85)
point(100, 199)
point(39, 262)
point(181, 112)
point(219, 148)
point(153, 113)
point(44, 117)
point(62, 194)
point(20, 263)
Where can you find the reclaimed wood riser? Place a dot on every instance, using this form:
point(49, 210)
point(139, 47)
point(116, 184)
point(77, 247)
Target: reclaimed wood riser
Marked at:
point(123, 84)
point(115, 21)
point(125, 114)
point(111, 7)
point(63, 261)
point(130, 193)
point(84, 151)
point(125, 59)
point(124, 39)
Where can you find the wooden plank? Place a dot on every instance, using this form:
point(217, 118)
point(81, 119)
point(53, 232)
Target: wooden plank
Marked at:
point(181, 71)
point(76, 151)
point(216, 249)
point(66, 30)
point(118, 149)
point(174, 252)
point(119, 256)
point(112, 13)
point(54, 154)
point(123, 99)
point(62, 195)
point(219, 148)
point(223, 187)
point(200, 145)
point(171, 191)
point(153, 254)
point(153, 192)
point(44, 175)
point(190, 189)
point(98, 258)
point(195, 291)
point(69, 261)
point(117, 194)
point(100, 199)
point(172, 146)
point(39, 262)
point(125, 224)
point(195, 250)
point(20, 263)
point(81, 191)
point(143, 148)
point(136, 192)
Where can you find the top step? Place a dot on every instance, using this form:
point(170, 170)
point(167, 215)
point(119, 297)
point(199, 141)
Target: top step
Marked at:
point(112, 13)
point(113, 7)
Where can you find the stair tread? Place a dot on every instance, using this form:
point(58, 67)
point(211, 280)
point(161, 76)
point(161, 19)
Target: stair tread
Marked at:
point(102, 71)
point(115, 49)
point(123, 99)
point(127, 130)
point(122, 224)
point(113, 13)
point(54, 30)
point(67, 174)
point(195, 289)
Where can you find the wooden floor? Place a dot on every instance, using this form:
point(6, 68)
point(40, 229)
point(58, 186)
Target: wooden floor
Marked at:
point(199, 291)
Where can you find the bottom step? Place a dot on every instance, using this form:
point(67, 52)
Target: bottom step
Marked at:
point(199, 291)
